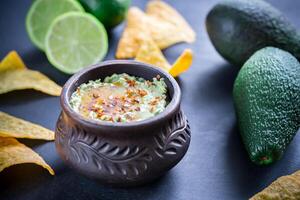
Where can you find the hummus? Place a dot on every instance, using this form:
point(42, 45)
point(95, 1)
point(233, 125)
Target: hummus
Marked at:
point(120, 98)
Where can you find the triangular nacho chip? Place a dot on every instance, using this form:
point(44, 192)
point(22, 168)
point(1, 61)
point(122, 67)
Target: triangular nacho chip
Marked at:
point(129, 43)
point(11, 61)
point(150, 53)
point(140, 27)
point(164, 12)
point(11, 126)
point(163, 31)
point(13, 152)
point(285, 187)
point(134, 34)
point(182, 63)
point(15, 76)
point(27, 79)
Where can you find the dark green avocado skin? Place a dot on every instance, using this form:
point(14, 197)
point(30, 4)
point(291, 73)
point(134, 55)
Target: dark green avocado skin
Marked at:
point(267, 102)
point(238, 28)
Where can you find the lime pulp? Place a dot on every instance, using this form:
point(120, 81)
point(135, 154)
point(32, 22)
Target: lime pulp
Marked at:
point(75, 40)
point(42, 13)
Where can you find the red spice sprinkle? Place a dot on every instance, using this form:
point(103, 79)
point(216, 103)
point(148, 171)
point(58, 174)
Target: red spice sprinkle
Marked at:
point(129, 93)
point(95, 95)
point(142, 92)
point(131, 83)
point(78, 91)
point(149, 83)
point(119, 119)
point(153, 102)
point(110, 118)
point(127, 116)
point(136, 101)
point(151, 109)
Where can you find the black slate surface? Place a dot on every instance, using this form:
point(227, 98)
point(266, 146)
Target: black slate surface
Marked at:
point(216, 165)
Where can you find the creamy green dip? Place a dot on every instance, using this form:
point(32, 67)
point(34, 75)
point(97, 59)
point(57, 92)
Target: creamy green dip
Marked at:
point(120, 98)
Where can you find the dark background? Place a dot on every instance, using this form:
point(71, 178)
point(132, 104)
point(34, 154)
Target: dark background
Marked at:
point(216, 165)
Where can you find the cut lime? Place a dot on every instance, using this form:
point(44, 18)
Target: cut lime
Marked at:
point(41, 15)
point(75, 40)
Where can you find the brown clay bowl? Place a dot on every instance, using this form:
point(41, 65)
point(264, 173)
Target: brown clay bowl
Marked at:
point(122, 154)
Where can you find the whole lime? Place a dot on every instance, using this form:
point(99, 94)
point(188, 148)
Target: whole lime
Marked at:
point(109, 12)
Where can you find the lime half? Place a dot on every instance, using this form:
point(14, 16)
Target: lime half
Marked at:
point(41, 15)
point(75, 40)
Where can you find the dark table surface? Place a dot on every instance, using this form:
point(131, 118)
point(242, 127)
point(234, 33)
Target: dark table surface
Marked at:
point(216, 165)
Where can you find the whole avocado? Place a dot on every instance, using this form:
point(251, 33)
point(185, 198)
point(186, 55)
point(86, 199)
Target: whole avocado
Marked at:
point(238, 28)
point(267, 101)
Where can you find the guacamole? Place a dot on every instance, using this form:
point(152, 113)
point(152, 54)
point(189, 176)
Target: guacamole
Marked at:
point(120, 98)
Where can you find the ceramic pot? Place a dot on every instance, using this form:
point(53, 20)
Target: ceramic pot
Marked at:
point(122, 154)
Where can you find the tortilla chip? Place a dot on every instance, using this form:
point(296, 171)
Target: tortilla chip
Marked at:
point(177, 30)
point(151, 54)
point(164, 12)
point(15, 76)
point(134, 34)
point(163, 31)
point(27, 79)
point(285, 187)
point(13, 152)
point(11, 61)
point(11, 126)
point(182, 63)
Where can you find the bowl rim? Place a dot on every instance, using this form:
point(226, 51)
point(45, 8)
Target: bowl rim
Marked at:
point(171, 107)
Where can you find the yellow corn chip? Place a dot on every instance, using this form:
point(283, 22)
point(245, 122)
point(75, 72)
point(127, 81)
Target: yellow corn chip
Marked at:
point(151, 54)
point(27, 79)
point(13, 152)
point(15, 127)
point(163, 31)
point(164, 12)
point(285, 187)
point(134, 34)
point(15, 76)
point(12, 61)
point(182, 63)
point(128, 45)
